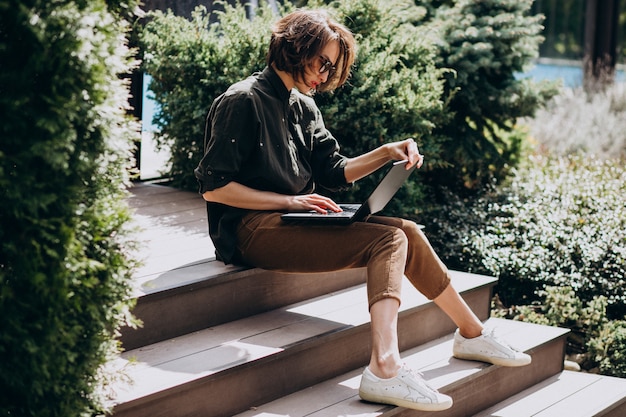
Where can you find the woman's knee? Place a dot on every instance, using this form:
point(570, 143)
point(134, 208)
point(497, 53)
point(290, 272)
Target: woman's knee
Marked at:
point(413, 230)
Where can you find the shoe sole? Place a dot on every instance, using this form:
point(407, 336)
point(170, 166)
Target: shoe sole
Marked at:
point(511, 363)
point(403, 403)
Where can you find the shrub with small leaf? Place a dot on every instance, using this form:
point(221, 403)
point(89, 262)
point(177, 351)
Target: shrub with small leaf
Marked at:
point(192, 62)
point(607, 351)
point(561, 307)
point(64, 163)
point(596, 343)
point(560, 221)
point(578, 121)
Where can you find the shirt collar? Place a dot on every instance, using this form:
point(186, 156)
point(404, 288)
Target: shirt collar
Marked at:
point(277, 83)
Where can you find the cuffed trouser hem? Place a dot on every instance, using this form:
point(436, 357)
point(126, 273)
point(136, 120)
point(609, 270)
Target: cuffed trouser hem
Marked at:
point(380, 297)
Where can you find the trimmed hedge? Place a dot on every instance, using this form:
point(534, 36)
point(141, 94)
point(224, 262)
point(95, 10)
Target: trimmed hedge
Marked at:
point(64, 160)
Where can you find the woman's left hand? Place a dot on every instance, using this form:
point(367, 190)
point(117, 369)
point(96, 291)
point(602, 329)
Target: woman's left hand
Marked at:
point(406, 150)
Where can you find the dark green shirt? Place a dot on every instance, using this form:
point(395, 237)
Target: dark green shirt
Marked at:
point(266, 137)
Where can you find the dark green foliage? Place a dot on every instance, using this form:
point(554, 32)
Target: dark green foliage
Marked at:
point(64, 155)
point(486, 43)
point(191, 63)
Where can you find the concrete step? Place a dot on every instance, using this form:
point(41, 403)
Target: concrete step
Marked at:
point(473, 385)
point(225, 369)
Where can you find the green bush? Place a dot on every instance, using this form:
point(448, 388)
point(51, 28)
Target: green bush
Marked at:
point(607, 350)
point(558, 222)
point(595, 343)
point(561, 307)
point(64, 156)
point(484, 44)
point(192, 62)
point(394, 92)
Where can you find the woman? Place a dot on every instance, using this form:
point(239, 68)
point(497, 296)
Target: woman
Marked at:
point(266, 151)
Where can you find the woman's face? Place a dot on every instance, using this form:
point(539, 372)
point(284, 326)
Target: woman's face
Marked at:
point(318, 71)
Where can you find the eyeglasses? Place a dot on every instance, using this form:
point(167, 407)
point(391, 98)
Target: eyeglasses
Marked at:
point(327, 66)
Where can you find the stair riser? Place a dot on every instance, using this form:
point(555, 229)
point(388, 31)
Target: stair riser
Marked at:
point(498, 384)
point(421, 325)
point(238, 389)
point(618, 410)
point(203, 305)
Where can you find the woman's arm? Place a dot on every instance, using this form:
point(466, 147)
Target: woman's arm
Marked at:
point(237, 195)
point(363, 165)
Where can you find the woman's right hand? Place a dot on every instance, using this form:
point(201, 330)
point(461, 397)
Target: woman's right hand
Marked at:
point(314, 202)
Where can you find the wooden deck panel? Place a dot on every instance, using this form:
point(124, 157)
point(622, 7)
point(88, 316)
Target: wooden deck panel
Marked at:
point(270, 332)
point(173, 234)
point(339, 396)
point(571, 394)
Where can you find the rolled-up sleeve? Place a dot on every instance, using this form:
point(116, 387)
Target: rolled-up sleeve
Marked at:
point(231, 129)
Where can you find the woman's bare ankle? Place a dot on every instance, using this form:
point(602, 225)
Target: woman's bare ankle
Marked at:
point(471, 332)
point(385, 368)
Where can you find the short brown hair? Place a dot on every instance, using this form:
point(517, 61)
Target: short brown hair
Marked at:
point(298, 39)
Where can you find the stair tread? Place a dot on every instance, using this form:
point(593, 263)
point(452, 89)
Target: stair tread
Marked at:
point(171, 227)
point(339, 396)
point(165, 364)
point(572, 394)
point(182, 274)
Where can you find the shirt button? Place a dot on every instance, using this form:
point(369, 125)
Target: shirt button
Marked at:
point(209, 172)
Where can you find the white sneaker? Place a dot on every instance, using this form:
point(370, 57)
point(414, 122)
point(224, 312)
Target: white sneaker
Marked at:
point(407, 389)
point(488, 348)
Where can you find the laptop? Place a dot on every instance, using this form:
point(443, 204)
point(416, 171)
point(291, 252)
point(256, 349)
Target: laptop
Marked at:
point(382, 194)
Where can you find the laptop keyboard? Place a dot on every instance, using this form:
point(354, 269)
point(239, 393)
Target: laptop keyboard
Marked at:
point(347, 211)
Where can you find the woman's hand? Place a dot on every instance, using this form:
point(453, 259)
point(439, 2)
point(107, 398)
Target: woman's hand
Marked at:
point(405, 150)
point(315, 202)
point(363, 165)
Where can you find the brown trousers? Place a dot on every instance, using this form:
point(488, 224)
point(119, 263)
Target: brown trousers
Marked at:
point(389, 248)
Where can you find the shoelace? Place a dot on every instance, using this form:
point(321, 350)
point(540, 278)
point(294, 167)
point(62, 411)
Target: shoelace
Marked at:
point(492, 334)
point(419, 376)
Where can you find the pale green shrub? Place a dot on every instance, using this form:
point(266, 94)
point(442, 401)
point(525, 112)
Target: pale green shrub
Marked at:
point(577, 121)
